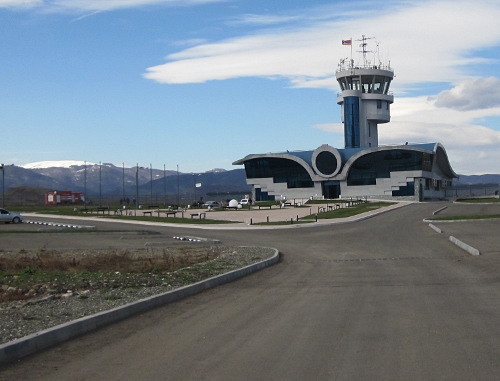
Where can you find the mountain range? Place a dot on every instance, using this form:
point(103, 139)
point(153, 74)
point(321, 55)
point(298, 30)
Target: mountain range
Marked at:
point(108, 180)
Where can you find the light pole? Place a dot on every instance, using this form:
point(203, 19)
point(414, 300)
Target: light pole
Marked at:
point(151, 182)
point(2, 167)
point(85, 185)
point(137, 186)
point(100, 184)
point(178, 195)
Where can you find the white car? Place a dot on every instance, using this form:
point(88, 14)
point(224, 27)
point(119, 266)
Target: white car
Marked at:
point(211, 204)
point(245, 201)
point(8, 217)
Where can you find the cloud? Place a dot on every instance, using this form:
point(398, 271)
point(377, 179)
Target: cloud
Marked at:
point(473, 94)
point(19, 3)
point(94, 5)
point(433, 43)
point(253, 19)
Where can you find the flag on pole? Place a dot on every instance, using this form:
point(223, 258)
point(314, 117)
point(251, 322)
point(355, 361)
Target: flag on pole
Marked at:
point(346, 42)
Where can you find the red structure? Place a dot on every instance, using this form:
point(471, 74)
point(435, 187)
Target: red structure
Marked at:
point(64, 197)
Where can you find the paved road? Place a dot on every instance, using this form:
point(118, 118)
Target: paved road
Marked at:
point(382, 299)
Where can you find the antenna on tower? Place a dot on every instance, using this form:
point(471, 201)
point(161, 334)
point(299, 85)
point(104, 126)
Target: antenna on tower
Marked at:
point(363, 46)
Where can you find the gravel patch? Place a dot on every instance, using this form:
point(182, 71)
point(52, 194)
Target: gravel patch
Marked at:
point(53, 305)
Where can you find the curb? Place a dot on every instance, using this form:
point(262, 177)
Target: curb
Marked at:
point(435, 228)
point(439, 210)
point(44, 339)
point(471, 250)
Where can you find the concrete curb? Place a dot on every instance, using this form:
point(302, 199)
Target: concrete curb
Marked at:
point(471, 250)
point(439, 210)
point(435, 228)
point(41, 340)
point(453, 221)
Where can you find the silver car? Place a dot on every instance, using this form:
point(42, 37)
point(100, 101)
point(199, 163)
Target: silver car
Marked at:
point(8, 217)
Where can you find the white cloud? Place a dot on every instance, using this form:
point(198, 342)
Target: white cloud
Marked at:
point(95, 5)
point(19, 3)
point(433, 42)
point(472, 94)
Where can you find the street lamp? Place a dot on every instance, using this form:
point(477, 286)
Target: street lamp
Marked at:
point(3, 184)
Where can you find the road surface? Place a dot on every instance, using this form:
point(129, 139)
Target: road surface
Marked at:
point(382, 299)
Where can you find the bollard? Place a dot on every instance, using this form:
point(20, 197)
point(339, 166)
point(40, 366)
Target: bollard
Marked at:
point(291, 220)
point(297, 218)
point(316, 218)
point(251, 221)
point(267, 219)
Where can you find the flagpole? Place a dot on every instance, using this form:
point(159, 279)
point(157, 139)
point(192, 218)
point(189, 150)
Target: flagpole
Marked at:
point(352, 64)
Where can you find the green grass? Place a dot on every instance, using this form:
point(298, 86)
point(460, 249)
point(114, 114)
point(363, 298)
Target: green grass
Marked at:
point(79, 231)
point(466, 217)
point(175, 220)
point(351, 211)
point(322, 202)
point(478, 200)
point(283, 222)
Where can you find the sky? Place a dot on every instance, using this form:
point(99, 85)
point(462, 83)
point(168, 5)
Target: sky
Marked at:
point(202, 83)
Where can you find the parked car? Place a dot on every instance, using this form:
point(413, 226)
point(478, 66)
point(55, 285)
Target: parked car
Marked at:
point(8, 217)
point(211, 204)
point(245, 201)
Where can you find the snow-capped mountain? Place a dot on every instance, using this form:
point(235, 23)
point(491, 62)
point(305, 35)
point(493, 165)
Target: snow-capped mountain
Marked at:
point(55, 164)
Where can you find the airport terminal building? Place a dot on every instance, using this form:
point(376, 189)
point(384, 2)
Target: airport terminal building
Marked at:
point(362, 168)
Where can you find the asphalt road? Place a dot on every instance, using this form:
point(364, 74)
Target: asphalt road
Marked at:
point(382, 299)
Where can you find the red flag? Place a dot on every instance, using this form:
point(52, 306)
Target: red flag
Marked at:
point(346, 42)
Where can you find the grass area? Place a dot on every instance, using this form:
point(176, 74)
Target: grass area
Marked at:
point(175, 220)
point(330, 201)
point(51, 231)
point(69, 211)
point(351, 211)
point(266, 203)
point(478, 200)
point(24, 275)
point(295, 222)
point(466, 217)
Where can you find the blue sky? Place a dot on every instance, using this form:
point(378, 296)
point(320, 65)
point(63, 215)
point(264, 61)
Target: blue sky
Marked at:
point(202, 83)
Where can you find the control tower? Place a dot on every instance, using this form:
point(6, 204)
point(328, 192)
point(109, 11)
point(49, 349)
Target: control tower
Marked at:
point(365, 98)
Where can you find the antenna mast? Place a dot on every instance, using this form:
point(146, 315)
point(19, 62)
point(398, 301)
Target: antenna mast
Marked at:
point(363, 46)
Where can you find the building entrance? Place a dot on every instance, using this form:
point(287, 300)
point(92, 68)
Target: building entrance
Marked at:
point(331, 189)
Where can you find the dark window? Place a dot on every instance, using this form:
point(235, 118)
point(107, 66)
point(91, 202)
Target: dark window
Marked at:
point(379, 103)
point(280, 170)
point(387, 105)
point(407, 190)
point(326, 162)
point(351, 122)
point(380, 164)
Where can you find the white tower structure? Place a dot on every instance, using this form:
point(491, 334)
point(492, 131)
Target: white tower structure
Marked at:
point(364, 97)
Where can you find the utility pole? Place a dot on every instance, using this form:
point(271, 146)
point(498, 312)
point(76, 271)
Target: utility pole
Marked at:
point(137, 186)
point(151, 182)
point(2, 167)
point(85, 185)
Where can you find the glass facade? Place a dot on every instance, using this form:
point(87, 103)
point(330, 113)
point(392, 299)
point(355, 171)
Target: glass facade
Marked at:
point(351, 122)
point(375, 84)
point(368, 168)
point(326, 162)
point(280, 170)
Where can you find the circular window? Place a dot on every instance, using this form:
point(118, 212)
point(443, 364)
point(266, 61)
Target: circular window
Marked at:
point(326, 162)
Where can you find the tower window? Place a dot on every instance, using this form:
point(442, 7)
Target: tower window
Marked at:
point(387, 105)
point(379, 103)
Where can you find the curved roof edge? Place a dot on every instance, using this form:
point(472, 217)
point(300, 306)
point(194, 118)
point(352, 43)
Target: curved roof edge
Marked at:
point(289, 156)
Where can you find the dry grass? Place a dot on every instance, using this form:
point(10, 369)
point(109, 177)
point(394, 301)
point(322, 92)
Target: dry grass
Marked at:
point(111, 260)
